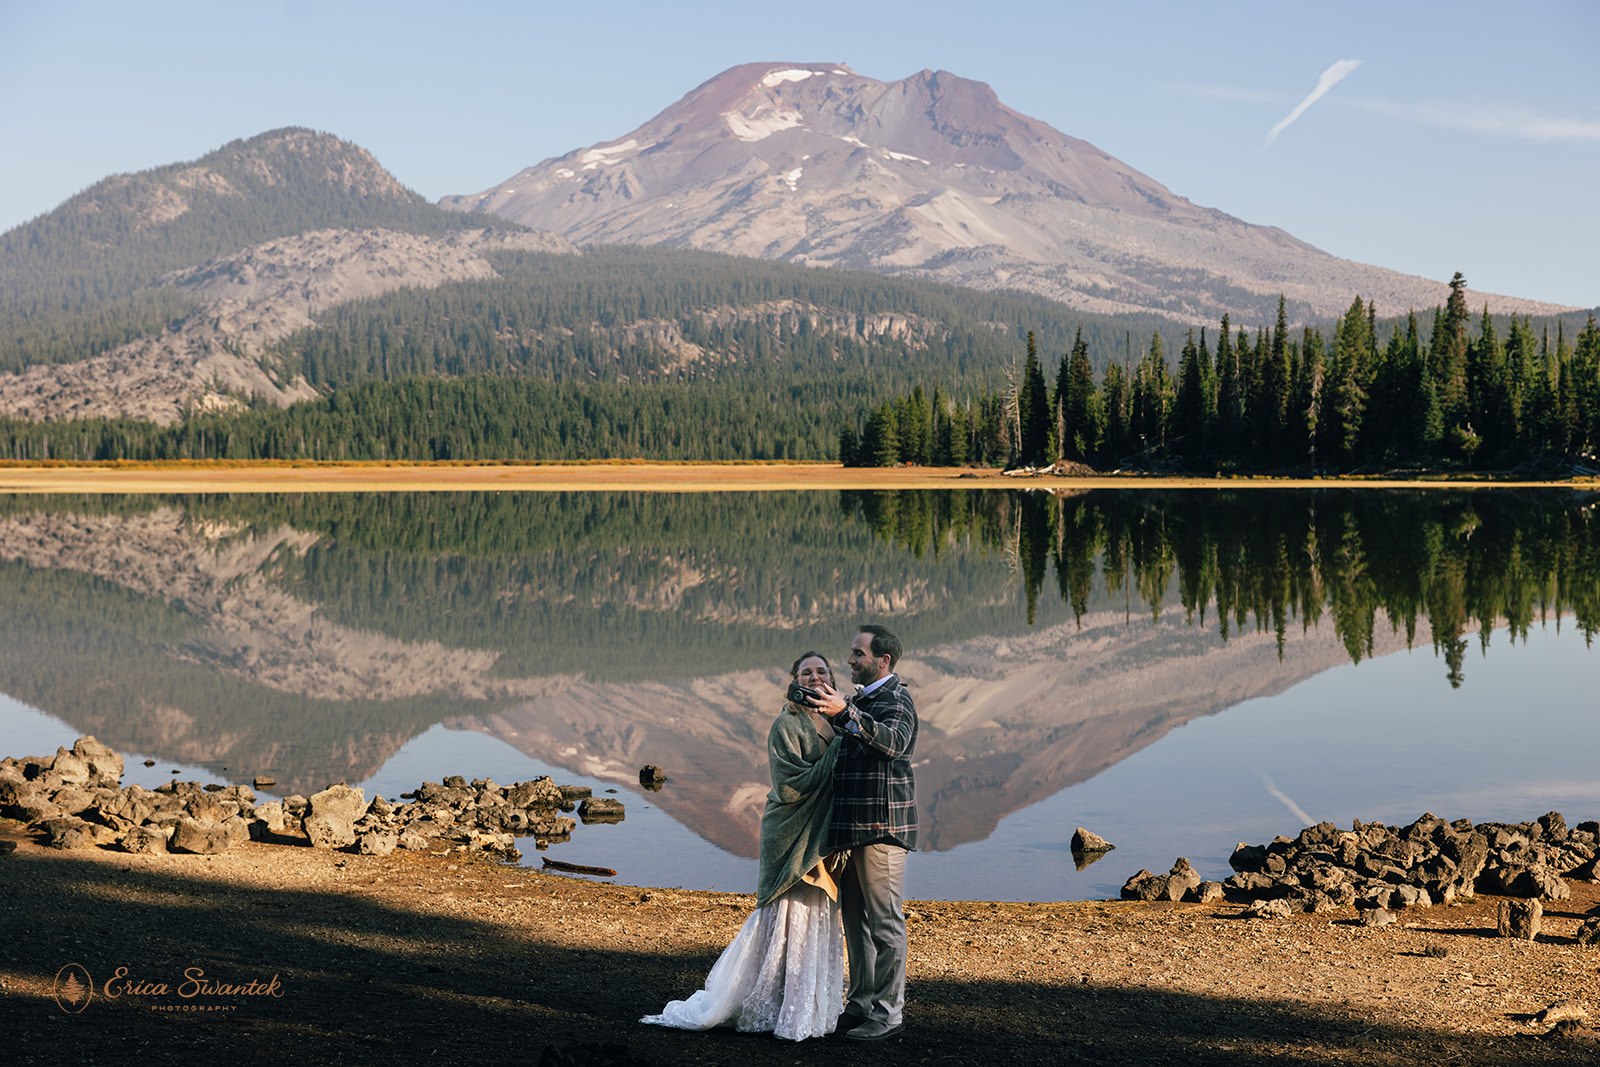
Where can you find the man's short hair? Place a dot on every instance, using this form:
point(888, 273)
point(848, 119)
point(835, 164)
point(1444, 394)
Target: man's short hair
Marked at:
point(884, 642)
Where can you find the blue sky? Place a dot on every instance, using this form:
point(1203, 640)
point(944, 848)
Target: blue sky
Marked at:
point(1460, 136)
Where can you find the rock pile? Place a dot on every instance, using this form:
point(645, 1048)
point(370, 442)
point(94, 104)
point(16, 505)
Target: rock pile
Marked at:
point(1373, 866)
point(75, 799)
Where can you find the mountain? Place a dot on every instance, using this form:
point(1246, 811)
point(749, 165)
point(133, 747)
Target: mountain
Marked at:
point(155, 294)
point(930, 177)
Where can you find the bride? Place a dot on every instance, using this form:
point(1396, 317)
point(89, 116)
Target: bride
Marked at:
point(784, 972)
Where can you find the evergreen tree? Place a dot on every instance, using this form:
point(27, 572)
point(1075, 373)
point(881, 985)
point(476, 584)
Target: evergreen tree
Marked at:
point(1305, 401)
point(1119, 436)
point(1447, 363)
point(1033, 407)
point(1195, 407)
point(1082, 418)
point(1488, 390)
point(1351, 372)
point(1230, 431)
point(1153, 393)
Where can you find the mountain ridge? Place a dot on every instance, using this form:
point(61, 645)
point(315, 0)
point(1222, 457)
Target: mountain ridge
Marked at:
point(932, 177)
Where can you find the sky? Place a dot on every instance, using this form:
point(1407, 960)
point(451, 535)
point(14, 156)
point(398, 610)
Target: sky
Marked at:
point(1424, 137)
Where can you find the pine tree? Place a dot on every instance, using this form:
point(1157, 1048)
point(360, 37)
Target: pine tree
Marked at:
point(1033, 406)
point(1119, 438)
point(1082, 420)
point(1306, 395)
point(1447, 361)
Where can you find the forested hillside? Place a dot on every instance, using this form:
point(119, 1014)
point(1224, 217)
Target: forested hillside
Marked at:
point(83, 278)
point(1463, 392)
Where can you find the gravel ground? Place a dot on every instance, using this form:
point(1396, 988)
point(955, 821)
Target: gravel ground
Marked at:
point(415, 958)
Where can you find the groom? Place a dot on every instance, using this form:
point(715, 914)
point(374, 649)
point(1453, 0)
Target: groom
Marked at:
point(875, 817)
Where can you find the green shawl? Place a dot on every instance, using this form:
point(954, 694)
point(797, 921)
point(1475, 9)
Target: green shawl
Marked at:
point(794, 827)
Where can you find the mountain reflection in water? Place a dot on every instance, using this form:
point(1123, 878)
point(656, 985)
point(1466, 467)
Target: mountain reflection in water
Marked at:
point(1049, 637)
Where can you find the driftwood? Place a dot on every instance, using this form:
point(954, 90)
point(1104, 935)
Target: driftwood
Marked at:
point(579, 868)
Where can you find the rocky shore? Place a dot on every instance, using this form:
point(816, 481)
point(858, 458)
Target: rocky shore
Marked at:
point(75, 799)
point(1380, 869)
point(307, 953)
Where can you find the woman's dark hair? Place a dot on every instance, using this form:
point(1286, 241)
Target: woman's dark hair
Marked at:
point(794, 668)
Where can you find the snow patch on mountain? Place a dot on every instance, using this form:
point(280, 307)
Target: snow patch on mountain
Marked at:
point(761, 125)
point(778, 77)
point(599, 157)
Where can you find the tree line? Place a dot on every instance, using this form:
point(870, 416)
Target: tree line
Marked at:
point(1454, 396)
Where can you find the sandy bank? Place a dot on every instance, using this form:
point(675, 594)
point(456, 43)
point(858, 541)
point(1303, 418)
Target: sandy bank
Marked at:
point(414, 958)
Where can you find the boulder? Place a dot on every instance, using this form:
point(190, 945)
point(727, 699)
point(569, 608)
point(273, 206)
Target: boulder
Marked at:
point(1520, 919)
point(104, 765)
point(209, 808)
point(1171, 886)
point(1270, 909)
point(331, 816)
point(376, 843)
point(144, 839)
point(1554, 826)
point(412, 841)
point(1248, 858)
point(1089, 841)
point(271, 817)
point(67, 768)
point(600, 809)
point(69, 831)
point(1589, 932)
point(539, 793)
point(135, 804)
point(205, 839)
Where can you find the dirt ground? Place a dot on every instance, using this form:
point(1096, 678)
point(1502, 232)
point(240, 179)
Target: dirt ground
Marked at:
point(624, 475)
point(418, 958)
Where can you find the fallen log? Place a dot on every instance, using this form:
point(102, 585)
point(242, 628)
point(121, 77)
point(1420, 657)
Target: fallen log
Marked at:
point(578, 868)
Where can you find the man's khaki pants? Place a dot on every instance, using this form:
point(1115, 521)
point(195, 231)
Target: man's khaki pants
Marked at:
point(871, 896)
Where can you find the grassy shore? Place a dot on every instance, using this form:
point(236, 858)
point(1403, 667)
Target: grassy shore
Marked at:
point(629, 475)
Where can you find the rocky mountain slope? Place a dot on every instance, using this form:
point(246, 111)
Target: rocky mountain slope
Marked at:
point(931, 177)
point(216, 359)
point(250, 241)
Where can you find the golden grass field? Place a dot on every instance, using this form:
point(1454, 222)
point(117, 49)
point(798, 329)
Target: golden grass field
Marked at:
point(225, 477)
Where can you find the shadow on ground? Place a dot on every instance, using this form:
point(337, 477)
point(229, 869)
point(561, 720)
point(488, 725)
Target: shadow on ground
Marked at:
point(456, 991)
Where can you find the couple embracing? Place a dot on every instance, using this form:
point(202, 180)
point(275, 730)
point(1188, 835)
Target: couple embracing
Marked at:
point(838, 823)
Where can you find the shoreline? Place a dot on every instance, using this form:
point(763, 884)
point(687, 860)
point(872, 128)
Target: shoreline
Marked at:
point(638, 476)
point(414, 956)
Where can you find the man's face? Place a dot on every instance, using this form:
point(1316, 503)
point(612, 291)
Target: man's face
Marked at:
point(865, 668)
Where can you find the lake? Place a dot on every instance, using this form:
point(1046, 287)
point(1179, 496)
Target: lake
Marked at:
point(1175, 670)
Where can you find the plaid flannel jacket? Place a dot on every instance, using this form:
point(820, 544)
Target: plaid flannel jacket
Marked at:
point(874, 797)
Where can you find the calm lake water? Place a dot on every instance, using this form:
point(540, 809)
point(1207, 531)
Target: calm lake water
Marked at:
point(1176, 671)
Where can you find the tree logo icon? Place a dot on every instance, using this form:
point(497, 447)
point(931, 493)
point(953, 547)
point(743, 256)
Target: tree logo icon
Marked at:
point(73, 989)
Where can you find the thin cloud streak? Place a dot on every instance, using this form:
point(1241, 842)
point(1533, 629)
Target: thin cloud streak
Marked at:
point(1330, 77)
point(1222, 92)
point(1279, 795)
point(1500, 122)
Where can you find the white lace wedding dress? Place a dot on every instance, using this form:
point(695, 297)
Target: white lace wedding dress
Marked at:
point(783, 973)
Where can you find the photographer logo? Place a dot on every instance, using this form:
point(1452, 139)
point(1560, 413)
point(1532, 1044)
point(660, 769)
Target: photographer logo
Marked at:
point(73, 989)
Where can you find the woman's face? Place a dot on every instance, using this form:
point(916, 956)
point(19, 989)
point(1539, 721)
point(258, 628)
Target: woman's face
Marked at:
point(813, 670)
